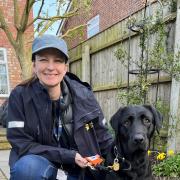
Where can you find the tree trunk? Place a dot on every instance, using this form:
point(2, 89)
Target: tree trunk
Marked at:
point(23, 53)
point(26, 65)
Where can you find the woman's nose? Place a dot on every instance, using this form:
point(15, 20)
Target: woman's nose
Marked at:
point(51, 65)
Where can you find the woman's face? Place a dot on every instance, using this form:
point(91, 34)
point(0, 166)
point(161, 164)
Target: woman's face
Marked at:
point(50, 67)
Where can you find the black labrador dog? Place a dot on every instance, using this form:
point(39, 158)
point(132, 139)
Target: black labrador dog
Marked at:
point(134, 127)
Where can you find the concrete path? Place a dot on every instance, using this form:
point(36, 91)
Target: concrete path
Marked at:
point(4, 168)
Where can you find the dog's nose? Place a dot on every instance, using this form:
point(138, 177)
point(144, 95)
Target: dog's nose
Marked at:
point(138, 138)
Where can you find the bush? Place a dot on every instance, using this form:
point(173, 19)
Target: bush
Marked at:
point(169, 167)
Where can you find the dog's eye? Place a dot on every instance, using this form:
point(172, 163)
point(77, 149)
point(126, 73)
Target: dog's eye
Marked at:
point(127, 123)
point(146, 121)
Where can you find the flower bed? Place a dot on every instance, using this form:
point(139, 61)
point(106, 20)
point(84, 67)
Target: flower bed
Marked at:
point(167, 166)
point(166, 178)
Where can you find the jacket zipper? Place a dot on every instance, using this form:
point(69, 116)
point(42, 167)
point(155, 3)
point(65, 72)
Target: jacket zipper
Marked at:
point(63, 125)
point(46, 112)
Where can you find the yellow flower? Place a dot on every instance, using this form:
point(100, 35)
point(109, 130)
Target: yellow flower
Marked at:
point(170, 153)
point(149, 152)
point(161, 156)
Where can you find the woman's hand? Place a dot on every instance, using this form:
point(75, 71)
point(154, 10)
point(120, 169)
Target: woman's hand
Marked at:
point(80, 161)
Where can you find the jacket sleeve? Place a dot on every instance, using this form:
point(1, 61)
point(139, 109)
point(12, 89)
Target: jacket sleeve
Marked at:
point(23, 143)
point(103, 135)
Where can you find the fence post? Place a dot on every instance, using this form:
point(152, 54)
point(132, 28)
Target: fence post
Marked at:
point(86, 64)
point(174, 121)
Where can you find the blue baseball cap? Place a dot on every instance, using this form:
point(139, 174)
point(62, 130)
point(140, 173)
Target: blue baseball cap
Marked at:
point(49, 41)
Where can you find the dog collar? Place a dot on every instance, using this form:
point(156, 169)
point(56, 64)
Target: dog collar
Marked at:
point(122, 161)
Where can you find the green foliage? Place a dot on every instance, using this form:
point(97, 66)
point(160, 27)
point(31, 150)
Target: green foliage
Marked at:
point(45, 19)
point(160, 58)
point(168, 167)
point(135, 95)
point(172, 3)
point(121, 54)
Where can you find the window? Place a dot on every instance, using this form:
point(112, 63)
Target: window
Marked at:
point(4, 82)
point(93, 26)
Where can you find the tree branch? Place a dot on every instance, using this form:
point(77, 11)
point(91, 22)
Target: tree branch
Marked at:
point(25, 15)
point(6, 29)
point(36, 18)
point(40, 9)
point(16, 14)
point(55, 18)
point(69, 31)
point(46, 27)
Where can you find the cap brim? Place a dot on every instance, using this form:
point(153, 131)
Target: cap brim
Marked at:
point(49, 46)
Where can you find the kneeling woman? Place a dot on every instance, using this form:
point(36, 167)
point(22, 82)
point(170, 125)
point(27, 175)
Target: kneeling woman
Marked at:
point(54, 120)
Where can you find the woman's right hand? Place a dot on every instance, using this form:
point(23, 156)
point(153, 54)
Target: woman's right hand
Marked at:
point(80, 161)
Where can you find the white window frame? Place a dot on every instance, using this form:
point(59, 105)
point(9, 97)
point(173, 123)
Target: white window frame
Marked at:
point(7, 72)
point(93, 24)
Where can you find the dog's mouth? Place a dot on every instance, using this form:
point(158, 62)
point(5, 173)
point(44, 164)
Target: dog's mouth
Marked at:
point(136, 154)
point(140, 151)
point(139, 148)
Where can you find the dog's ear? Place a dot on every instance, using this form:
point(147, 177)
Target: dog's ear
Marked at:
point(114, 121)
point(158, 118)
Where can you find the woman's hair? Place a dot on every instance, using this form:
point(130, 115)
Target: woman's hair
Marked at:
point(29, 81)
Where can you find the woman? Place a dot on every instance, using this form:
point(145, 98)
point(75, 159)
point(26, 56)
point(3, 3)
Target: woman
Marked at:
point(54, 120)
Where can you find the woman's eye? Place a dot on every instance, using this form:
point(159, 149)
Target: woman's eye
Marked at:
point(43, 59)
point(59, 60)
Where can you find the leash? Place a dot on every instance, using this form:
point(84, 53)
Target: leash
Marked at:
point(95, 163)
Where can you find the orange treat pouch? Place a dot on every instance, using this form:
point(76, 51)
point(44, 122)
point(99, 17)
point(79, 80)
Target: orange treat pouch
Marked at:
point(94, 160)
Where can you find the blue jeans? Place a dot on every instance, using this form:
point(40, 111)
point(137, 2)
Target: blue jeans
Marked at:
point(33, 167)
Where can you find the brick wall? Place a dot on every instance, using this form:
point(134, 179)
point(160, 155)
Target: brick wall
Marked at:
point(13, 64)
point(110, 11)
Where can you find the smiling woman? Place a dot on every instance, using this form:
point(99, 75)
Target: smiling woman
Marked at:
point(48, 117)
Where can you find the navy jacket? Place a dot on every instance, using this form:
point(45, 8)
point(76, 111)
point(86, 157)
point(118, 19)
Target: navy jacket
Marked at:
point(30, 125)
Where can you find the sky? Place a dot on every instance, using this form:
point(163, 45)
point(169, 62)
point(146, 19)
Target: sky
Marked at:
point(50, 6)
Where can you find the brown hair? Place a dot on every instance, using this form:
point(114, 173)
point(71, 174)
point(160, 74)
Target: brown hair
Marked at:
point(29, 81)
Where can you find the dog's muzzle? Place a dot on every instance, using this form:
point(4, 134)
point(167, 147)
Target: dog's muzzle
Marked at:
point(138, 139)
point(138, 142)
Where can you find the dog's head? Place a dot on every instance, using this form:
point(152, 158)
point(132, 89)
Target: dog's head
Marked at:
point(135, 125)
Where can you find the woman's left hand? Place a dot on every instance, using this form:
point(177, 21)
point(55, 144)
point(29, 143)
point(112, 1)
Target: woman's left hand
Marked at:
point(80, 161)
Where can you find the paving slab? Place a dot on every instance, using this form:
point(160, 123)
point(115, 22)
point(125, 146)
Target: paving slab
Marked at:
point(4, 167)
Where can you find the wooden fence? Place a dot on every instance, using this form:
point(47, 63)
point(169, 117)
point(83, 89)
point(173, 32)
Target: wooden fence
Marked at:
point(94, 61)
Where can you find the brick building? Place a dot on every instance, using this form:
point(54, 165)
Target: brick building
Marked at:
point(102, 15)
point(10, 72)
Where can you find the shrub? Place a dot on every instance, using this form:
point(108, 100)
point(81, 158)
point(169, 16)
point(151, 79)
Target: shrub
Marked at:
point(169, 167)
